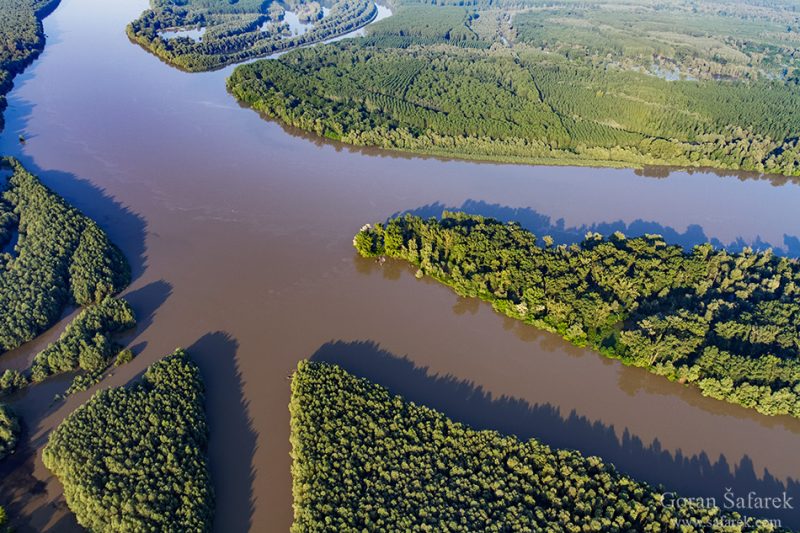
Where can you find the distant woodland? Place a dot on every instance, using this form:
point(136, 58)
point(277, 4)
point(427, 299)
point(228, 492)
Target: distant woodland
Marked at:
point(241, 29)
point(726, 323)
point(612, 83)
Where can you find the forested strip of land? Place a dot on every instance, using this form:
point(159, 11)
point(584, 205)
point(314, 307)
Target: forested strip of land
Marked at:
point(60, 257)
point(239, 30)
point(727, 323)
point(364, 460)
point(86, 343)
point(21, 39)
point(135, 458)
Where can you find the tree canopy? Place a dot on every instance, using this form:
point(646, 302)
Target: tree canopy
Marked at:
point(60, 257)
point(364, 460)
point(134, 459)
point(729, 323)
point(524, 82)
point(86, 342)
point(9, 433)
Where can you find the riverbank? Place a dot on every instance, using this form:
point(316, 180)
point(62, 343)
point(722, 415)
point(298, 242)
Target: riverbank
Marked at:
point(240, 240)
point(20, 22)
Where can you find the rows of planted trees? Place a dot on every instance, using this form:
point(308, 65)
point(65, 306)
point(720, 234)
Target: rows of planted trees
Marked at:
point(134, 459)
point(425, 80)
point(237, 31)
point(728, 323)
point(364, 460)
point(735, 40)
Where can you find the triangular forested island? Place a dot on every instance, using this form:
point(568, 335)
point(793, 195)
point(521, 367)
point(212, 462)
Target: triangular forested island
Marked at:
point(134, 458)
point(364, 460)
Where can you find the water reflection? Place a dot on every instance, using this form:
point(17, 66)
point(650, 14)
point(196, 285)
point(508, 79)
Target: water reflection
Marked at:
point(467, 402)
point(647, 171)
point(664, 171)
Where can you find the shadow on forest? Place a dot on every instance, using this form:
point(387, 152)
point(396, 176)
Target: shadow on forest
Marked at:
point(465, 402)
point(232, 444)
point(542, 225)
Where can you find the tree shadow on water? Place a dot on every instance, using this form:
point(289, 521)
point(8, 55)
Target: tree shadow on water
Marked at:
point(145, 302)
point(126, 228)
point(232, 444)
point(465, 402)
point(542, 225)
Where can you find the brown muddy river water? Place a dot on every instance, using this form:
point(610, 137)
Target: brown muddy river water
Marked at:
point(240, 235)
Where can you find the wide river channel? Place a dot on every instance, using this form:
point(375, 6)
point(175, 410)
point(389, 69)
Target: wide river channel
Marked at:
point(240, 235)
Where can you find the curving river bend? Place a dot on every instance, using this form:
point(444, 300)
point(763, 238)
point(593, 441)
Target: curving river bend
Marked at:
point(240, 231)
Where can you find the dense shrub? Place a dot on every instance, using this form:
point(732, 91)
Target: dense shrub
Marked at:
point(364, 460)
point(134, 459)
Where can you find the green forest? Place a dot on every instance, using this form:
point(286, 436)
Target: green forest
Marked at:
point(727, 323)
point(674, 39)
point(364, 460)
point(238, 30)
point(22, 39)
point(86, 342)
point(60, 258)
point(9, 433)
point(134, 459)
point(523, 82)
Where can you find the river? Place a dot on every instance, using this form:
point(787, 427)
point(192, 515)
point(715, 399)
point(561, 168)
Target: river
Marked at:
point(240, 235)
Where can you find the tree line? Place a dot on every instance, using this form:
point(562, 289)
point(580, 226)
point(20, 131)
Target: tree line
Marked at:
point(727, 323)
point(364, 460)
point(425, 80)
point(135, 458)
point(21, 39)
point(236, 31)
